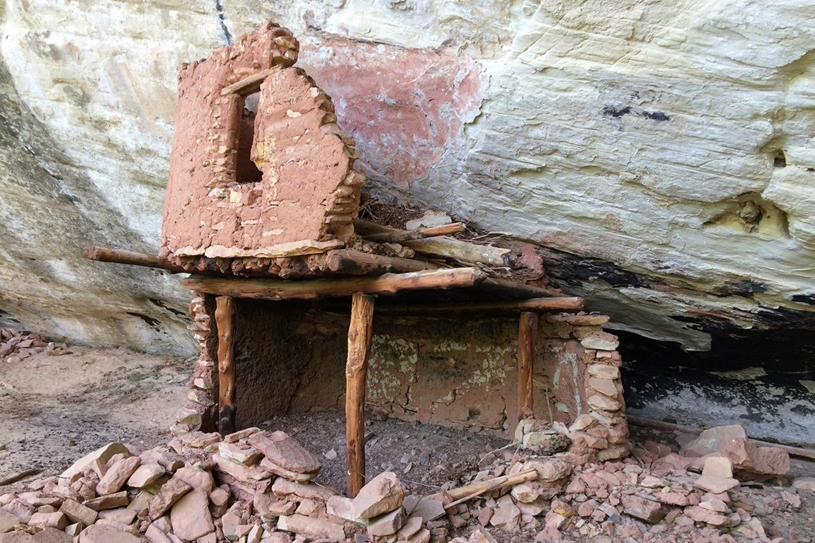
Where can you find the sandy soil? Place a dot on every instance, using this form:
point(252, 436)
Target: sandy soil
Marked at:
point(57, 408)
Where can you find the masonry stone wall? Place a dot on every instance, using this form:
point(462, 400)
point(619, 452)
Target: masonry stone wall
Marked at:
point(454, 370)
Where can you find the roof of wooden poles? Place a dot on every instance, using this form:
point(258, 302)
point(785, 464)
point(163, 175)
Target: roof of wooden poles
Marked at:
point(426, 284)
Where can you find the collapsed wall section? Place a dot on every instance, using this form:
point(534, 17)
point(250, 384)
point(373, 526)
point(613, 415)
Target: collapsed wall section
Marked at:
point(290, 357)
point(273, 183)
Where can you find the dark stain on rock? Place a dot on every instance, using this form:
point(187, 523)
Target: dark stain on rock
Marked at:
point(656, 116)
point(153, 323)
point(612, 111)
point(804, 299)
point(656, 372)
point(740, 287)
point(574, 270)
point(219, 9)
point(161, 304)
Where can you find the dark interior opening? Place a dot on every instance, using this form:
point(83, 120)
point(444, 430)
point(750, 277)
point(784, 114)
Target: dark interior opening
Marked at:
point(245, 170)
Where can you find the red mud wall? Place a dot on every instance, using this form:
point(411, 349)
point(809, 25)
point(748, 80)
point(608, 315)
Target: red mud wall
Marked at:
point(291, 358)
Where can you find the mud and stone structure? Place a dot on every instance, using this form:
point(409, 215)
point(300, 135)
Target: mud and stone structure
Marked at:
point(256, 192)
point(290, 359)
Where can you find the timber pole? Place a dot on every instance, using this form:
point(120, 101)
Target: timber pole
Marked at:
point(356, 371)
point(225, 321)
point(527, 333)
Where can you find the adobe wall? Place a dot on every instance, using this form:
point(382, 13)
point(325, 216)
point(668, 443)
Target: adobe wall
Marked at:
point(278, 183)
point(452, 371)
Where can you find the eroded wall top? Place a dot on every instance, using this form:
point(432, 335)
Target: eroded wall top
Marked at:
point(294, 192)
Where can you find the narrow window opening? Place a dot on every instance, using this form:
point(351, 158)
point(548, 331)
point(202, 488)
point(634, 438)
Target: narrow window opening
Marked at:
point(245, 169)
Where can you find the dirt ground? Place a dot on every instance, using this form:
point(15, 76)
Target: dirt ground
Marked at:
point(57, 408)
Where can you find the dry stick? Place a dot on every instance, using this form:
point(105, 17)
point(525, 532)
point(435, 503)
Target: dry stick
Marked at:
point(419, 233)
point(360, 332)
point(442, 246)
point(18, 476)
point(659, 425)
point(498, 450)
point(476, 489)
point(527, 332)
point(225, 320)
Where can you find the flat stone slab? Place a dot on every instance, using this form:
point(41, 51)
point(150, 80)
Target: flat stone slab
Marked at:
point(284, 451)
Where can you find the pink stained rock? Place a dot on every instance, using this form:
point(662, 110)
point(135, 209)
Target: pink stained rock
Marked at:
point(190, 516)
point(701, 514)
point(284, 451)
point(647, 510)
point(382, 494)
point(117, 475)
point(716, 485)
point(753, 459)
point(712, 440)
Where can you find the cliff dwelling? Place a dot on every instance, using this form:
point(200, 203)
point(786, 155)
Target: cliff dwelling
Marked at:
point(441, 331)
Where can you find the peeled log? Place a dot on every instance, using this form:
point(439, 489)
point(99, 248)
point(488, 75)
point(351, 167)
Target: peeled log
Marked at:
point(281, 289)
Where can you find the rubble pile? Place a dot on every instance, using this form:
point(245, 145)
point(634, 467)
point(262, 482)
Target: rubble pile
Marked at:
point(16, 345)
point(258, 486)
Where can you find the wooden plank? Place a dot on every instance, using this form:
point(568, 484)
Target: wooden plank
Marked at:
point(249, 85)
point(527, 333)
point(533, 304)
point(225, 320)
point(356, 370)
point(442, 246)
point(356, 262)
point(119, 256)
point(281, 289)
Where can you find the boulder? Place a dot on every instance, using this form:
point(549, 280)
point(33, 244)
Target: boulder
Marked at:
point(715, 485)
point(702, 514)
point(755, 460)
point(315, 528)
point(78, 512)
point(52, 535)
point(718, 466)
point(145, 475)
point(387, 524)
point(170, 493)
point(110, 501)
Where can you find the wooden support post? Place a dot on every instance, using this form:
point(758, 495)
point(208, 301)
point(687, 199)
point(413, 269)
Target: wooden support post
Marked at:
point(527, 333)
point(356, 371)
point(225, 321)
